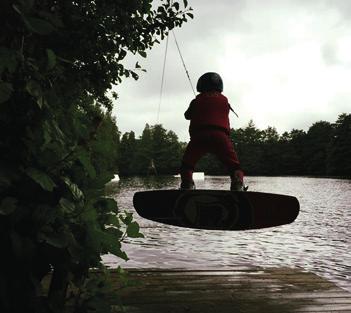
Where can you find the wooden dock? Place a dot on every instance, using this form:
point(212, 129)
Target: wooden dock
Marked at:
point(235, 290)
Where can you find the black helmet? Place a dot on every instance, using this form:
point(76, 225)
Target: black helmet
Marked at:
point(209, 82)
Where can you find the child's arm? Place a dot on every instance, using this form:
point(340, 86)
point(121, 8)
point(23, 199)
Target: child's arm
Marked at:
point(188, 112)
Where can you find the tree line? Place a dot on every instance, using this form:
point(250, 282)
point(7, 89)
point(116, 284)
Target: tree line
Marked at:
point(323, 150)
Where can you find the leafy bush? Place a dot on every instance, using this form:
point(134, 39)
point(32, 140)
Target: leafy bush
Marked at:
point(58, 59)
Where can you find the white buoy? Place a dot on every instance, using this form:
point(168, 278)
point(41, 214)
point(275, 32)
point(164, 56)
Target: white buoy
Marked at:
point(115, 178)
point(196, 175)
point(199, 176)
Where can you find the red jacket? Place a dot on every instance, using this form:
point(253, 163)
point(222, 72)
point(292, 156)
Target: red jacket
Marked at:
point(208, 110)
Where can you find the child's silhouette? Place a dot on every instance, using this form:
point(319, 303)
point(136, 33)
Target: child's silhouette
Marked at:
point(209, 132)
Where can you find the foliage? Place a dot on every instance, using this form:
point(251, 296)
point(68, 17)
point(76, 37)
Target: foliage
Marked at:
point(339, 149)
point(293, 153)
point(248, 147)
point(127, 150)
point(323, 150)
point(318, 139)
point(58, 60)
point(155, 147)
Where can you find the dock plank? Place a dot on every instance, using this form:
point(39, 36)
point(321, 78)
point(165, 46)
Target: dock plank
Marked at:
point(239, 289)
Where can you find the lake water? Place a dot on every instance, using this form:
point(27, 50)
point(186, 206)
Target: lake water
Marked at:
point(318, 241)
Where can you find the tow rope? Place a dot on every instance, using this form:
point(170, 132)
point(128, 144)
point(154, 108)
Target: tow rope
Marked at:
point(186, 72)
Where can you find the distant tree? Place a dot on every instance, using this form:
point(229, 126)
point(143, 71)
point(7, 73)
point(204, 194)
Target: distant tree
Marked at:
point(298, 145)
point(174, 152)
point(127, 154)
point(144, 152)
point(160, 149)
point(339, 154)
point(271, 158)
point(104, 149)
point(270, 135)
point(289, 159)
point(166, 150)
point(248, 145)
point(321, 150)
point(317, 143)
point(155, 147)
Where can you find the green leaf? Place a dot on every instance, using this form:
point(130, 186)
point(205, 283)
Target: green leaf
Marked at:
point(26, 5)
point(190, 15)
point(46, 134)
point(134, 75)
point(15, 7)
point(112, 220)
point(185, 3)
point(142, 53)
point(58, 133)
point(8, 60)
point(4, 182)
point(121, 254)
point(41, 178)
point(122, 54)
point(133, 230)
point(34, 89)
point(67, 206)
point(54, 238)
point(5, 91)
point(115, 232)
point(74, 189)
point(176, 5)
point(127, 219)
point(74, 249)
point(38, 25)
point(147, 6)
point(111, 205)
point(161, 10)
point(51, 59)
point(84, 159)
point(8, 205)
point(114, 247)
point(89, 215)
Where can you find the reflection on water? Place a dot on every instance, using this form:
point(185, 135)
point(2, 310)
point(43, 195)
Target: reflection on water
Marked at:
point(319, 240)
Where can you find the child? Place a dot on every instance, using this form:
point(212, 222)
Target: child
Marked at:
point(209, 132)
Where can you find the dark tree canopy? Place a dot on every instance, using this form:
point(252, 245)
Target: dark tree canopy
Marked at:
point(79, 43)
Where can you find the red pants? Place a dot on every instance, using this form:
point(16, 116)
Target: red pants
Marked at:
point(216, 142)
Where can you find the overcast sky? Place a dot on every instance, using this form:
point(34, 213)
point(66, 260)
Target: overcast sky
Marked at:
point(284, 63)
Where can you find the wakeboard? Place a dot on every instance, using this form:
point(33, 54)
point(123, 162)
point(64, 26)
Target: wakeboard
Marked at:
point(216, 209)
